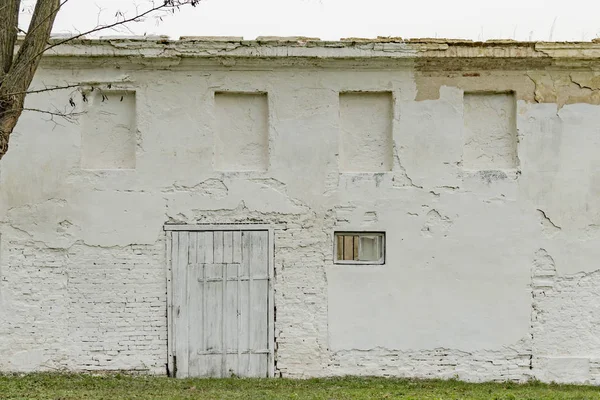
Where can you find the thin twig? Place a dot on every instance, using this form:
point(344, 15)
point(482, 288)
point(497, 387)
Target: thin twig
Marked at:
point(46, 89)
point(67, 116)
point(136, 18)
point(48, 16)
point(167, 4)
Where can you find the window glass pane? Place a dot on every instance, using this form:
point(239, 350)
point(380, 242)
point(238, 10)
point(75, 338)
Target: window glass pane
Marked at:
point(369, 248)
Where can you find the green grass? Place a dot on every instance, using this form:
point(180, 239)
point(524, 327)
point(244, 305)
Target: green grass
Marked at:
point(118, 387)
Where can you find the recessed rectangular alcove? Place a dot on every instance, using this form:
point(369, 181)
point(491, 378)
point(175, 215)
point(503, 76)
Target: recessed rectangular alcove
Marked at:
point(108, 139)
point(242, 131)
point(366, 143)
point(490, 131)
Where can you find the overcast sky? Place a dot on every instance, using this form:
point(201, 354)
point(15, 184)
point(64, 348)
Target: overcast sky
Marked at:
point(331, 19)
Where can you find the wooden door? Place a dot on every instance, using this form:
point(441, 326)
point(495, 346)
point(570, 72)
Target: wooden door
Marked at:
point(220, 303)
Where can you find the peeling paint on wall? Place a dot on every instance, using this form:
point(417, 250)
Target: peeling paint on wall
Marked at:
point(491, 266)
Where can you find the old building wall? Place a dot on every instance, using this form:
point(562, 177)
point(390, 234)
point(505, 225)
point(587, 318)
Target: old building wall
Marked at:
point(486, 189)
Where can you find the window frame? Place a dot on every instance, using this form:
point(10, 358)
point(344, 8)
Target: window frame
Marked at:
point(380, 261)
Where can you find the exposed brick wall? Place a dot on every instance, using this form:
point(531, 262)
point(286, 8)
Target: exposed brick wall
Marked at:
point(301, 298)
point(34, 302)
point(85, 308)
point(565, 324)
point(118, 307)
point(509, 364)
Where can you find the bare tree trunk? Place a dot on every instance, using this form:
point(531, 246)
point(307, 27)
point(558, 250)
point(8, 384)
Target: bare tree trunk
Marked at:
point(9, 116)
point(9, 9)
point(16, 80)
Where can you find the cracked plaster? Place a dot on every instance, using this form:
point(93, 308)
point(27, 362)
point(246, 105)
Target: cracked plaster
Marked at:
point(489, 274)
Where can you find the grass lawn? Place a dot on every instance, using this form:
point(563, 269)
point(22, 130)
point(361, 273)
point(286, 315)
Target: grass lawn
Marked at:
point(118, 387)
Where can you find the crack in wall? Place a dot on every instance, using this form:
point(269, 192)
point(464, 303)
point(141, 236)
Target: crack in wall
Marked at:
point(549, 228)
point(562, 87)
point(400, 177)
point(585, 81)
point(436, 224)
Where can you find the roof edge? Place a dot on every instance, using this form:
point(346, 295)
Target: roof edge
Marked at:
point(232, 47)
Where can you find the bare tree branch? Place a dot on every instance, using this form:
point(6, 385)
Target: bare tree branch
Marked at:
point(17, 72)
point(46, 89)
point(32, 30)
point(167, 5)
point(69, 116)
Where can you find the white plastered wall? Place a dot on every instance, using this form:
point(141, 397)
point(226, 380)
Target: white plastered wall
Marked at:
point(489, 274)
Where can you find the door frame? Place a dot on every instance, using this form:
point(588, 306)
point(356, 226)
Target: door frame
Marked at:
point(169, 228)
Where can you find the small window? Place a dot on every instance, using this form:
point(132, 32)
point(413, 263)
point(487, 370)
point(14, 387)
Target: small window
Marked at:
point(359, 247)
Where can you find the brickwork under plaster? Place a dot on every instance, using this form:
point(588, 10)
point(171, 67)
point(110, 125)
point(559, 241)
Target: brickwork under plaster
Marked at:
point(490, 274)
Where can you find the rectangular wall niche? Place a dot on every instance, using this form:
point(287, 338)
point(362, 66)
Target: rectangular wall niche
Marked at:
point(242, 134)
point(108, 140)
point(366, 143)
point(490, 131)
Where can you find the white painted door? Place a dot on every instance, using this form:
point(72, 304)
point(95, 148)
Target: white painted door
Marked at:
point(220, 303)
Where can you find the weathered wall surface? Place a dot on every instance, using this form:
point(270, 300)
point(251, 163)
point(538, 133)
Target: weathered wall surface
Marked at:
point(485, 178)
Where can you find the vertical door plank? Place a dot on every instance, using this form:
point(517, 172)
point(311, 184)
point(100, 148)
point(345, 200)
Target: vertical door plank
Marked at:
point(229, 303)
point(209, 243)
point(244, 327)
point(173, 246)
point(196, 286)
point(218, 247)
point(192, 247)
point(270, 305)
point(245, 251)
point(230, 319)
point(255, 250)
point(223, 319)
point(227, 247)
point(208, 271)
point(181, 312)
point(237, 246)
point(258, 330)
point(239, 328)
point(192, 283)
point(214, 319)
point(247, 260)
point(238, 311)
point(216, 361)
point(255, 258)
point(196, 318)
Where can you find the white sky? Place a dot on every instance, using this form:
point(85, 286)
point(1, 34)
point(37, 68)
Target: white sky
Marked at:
point(573, 20)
